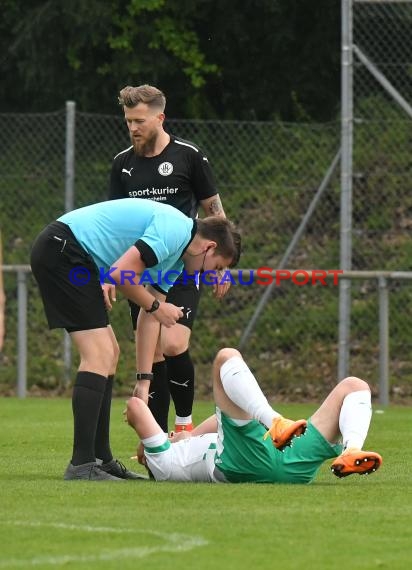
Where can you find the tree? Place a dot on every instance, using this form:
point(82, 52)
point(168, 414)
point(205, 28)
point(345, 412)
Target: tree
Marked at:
point(258, 59)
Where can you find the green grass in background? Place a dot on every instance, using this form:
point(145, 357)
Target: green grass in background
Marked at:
point(358, 522)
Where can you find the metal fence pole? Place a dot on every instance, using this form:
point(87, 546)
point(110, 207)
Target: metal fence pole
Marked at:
point(21, 333)
point(380, 77)
point(69, 156)
point(346, 189)
point(68, 206)
point(292, 244)
point(383, 342)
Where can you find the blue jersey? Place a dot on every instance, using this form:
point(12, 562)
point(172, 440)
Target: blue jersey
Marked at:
point(108, 229)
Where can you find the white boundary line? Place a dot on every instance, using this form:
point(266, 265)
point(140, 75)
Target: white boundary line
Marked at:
point(172, 542)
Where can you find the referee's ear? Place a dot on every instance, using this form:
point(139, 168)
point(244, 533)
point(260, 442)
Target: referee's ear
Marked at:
point(211, 245)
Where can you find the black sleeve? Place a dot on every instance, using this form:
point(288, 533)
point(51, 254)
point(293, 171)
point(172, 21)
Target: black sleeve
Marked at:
point(116, 189)
point(202, 177)
point(147, 254)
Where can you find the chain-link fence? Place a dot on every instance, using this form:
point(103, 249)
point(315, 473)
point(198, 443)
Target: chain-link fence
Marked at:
point(382, 170)
point(268, 175)
point(382, 207)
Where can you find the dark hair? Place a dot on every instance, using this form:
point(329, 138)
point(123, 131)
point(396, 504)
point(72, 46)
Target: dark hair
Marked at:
point(151, 96)
point(224, 233)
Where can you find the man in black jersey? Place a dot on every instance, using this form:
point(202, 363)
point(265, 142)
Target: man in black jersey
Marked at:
point(159, 166)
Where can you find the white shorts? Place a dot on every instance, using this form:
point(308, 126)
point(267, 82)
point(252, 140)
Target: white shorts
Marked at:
point(191, 459)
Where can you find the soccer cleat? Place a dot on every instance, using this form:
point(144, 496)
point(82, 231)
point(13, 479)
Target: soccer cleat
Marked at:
point(88, 472)
point(183, 427)
point(356, 461)
point(283, 431)
point(117, 469)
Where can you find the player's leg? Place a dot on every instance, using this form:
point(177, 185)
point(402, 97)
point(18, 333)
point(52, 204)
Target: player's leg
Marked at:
point(81, 311)
point(147, 336)
point(180, 374)
point(102, 441)
point(346, 413)
point(175, 346)
point(103, 450)
point(228, 396)
point(96, 357)
point(159, 395)
point(239, 396)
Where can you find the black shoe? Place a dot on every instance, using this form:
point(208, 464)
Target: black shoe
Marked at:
point(117, 469)
point(88, 472)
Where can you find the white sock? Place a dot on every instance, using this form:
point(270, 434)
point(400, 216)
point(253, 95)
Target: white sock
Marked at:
point(242, 388)
point(183, 420)
point(355, 418)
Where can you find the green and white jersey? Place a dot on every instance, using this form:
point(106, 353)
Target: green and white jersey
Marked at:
point(191, 459)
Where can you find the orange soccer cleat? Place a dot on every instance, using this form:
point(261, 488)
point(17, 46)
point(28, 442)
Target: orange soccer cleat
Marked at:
point(283, 431)
point(356, 461)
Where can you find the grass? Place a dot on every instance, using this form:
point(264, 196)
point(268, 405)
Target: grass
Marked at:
point(363, 523)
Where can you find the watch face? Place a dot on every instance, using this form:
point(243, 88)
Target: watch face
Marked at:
point(154, 307)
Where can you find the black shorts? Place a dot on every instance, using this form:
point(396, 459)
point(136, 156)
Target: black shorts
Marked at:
point(68, 280)
point(184, 294)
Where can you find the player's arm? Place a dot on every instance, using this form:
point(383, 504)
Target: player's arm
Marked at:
point(131, 264)
point(207, 426)
point(213, 206)
point(204, 186)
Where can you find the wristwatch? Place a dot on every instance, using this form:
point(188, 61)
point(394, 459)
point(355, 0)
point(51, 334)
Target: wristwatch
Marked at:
point(154, 307)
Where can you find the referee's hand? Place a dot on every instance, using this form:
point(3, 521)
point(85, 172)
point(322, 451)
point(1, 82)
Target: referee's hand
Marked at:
point(109, 294)
point(168, 314)
point(221, 288)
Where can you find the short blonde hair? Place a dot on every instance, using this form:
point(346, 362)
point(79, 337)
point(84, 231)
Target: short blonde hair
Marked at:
point(151, 96)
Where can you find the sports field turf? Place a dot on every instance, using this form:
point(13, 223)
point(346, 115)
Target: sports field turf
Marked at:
point(353, 523)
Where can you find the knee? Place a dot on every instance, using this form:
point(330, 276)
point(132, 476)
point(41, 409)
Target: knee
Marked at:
point(174, 346)
point(99, 361)
point(354, 384)
point(223, 355)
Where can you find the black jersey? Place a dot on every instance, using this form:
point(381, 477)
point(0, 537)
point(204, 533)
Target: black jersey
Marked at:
point(179, 176)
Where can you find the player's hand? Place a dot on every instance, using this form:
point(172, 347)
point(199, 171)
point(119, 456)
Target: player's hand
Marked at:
point(220, 290)
point(168, 314)
point(174, 437)
point(140, 455)
point(109, 294)
point(141, 390)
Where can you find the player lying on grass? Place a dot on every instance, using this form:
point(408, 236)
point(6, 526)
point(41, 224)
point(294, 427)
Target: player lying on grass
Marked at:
point(247, 441)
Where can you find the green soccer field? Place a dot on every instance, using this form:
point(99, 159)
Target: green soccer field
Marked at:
point(357, 523)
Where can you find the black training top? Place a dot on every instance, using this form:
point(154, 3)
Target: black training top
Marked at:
point(179, 176)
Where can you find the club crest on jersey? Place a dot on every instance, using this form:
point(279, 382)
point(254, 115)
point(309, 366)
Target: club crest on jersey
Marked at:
point(165, 168)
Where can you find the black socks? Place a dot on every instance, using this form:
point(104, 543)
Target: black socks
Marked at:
point(87, 398)
point(102, 442)
point(181, 374)
point(159, 395)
